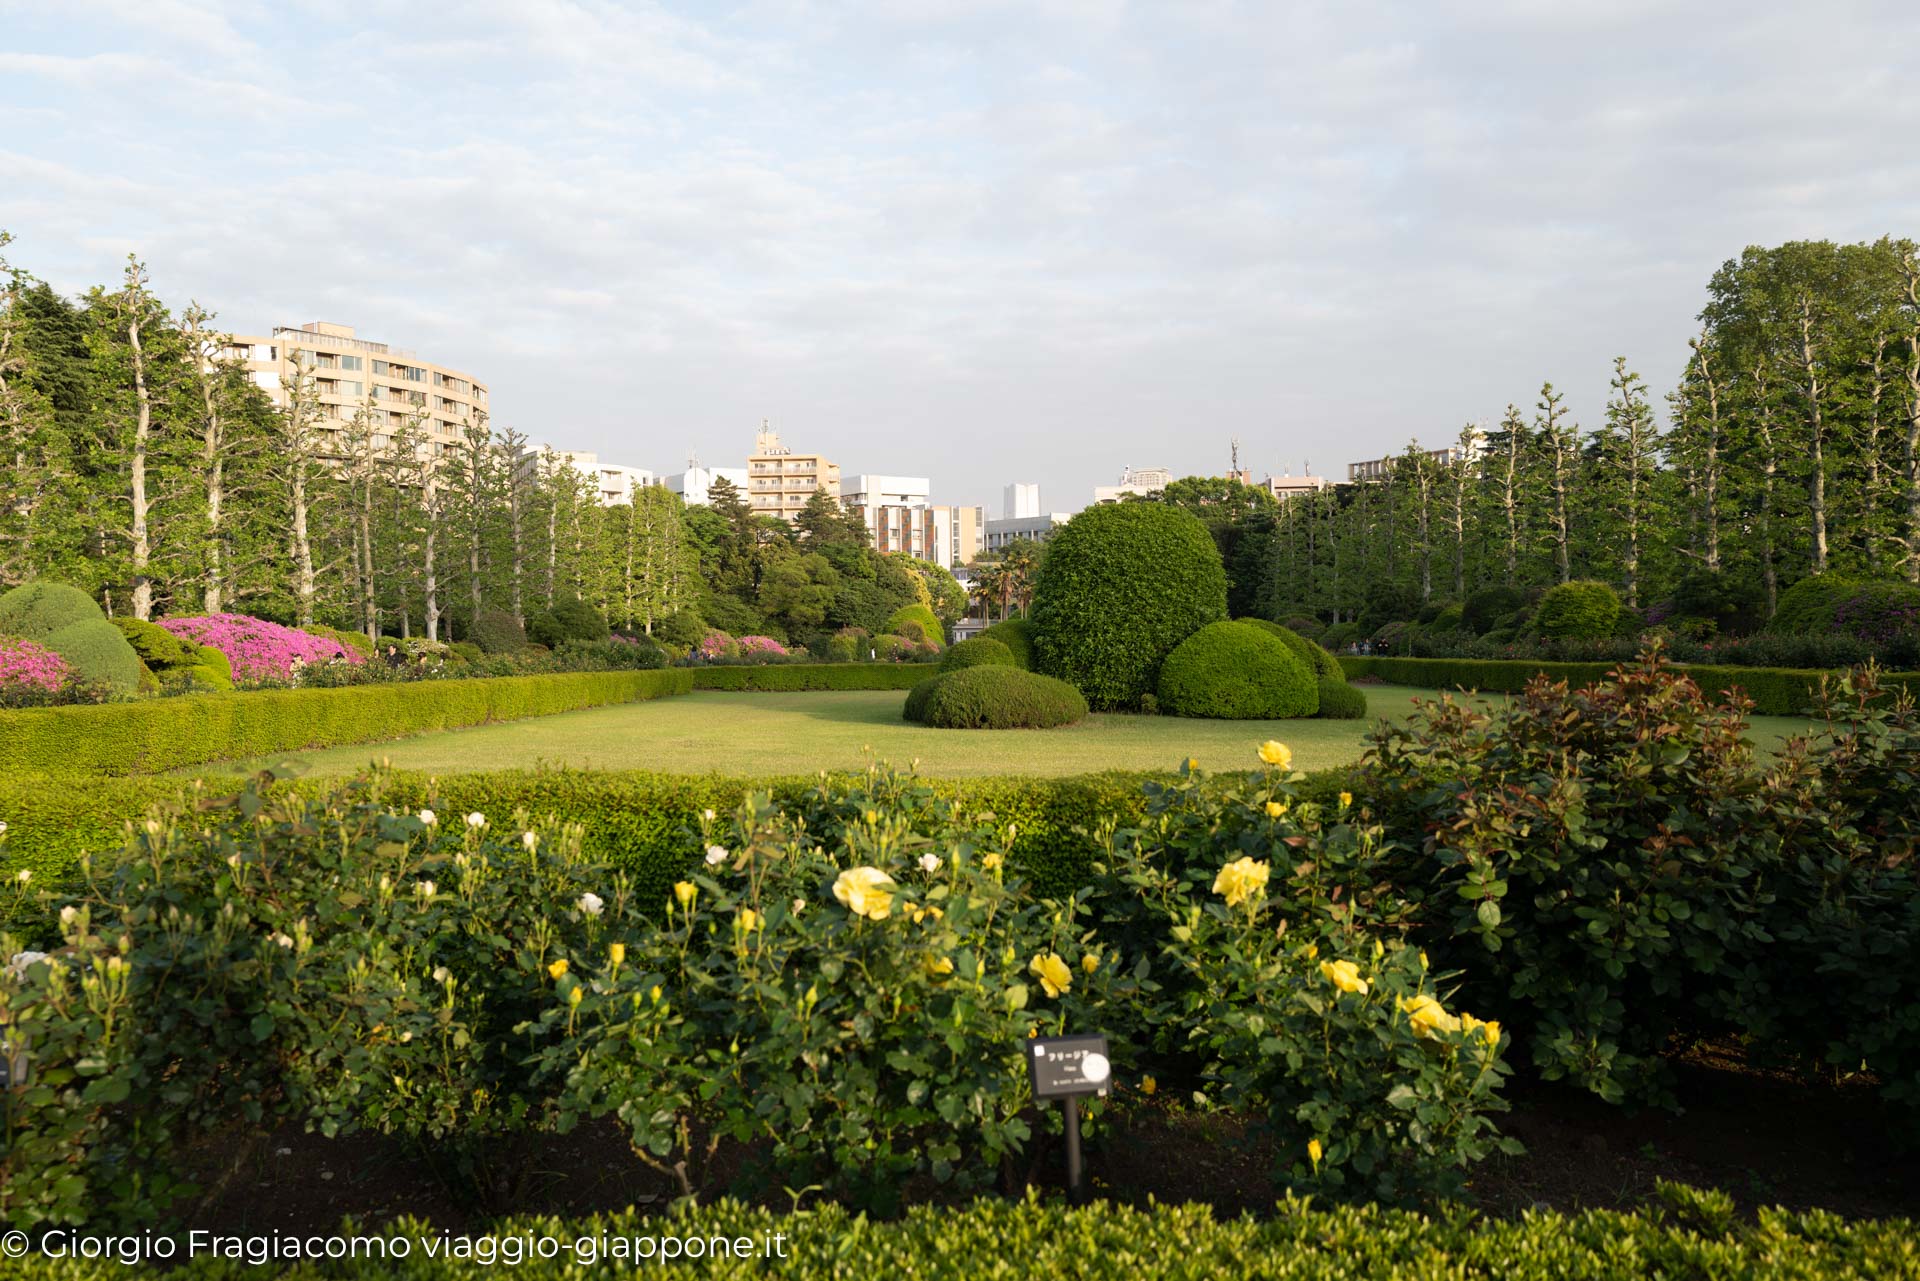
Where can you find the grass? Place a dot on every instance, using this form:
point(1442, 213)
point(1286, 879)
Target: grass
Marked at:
point(757, 734)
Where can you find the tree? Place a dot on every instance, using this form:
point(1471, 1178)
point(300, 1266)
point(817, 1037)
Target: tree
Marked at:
point(1559, 442)
point(1627, 457)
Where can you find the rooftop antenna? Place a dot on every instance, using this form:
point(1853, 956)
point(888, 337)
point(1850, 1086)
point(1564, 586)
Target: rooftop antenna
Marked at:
point(1235, 473)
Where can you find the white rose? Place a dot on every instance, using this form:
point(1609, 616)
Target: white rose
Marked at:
point(591, 903)
point(929, 862)
point(529, 840)
point(21, 960)
point(429, 817)
point(476, 820)
point(283, 940)
point(426, 889)
point(799, 905)
point(68, 915)
point(706, 814)
point(441, 974)
point(715, 855)
point(3, 827)
point(24, 876)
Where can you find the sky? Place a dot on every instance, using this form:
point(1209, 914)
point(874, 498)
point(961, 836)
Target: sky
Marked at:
point(974, 240)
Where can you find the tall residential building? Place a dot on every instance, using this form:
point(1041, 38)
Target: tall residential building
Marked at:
point(1022, 501)
point(1135, 482)
point(1381, 468)
point(779, 481)
point(693, 483)
point(613, 484)
point(349, 373)
point(899, 514)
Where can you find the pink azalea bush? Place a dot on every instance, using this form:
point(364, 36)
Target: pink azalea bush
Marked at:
point(717, 644)
point(259, 650)
point(762, 647)
point(28, 668)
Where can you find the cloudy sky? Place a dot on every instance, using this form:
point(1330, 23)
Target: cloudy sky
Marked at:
point(976, 240)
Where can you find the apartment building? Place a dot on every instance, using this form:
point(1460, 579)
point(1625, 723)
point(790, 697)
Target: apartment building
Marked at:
point(613, 483)
point(1135, 482)
point(1021, 501)
point(696, 482)
point(779, 481)
point(1294, 486)
point(1380, 468)
point(900, 514)
point(350, 374)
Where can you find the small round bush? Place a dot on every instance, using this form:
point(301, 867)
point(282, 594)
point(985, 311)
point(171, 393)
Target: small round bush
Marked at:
point(1318, 660)
point(1017, 635)
point(98, 654)
point(915, 708)
point(1340, 635)
point(916, 613)
point(1485, 608)
point(1447, 621)
point(980, 651)
point(1120, 586)
point(157, 647)
point(1585, 609)
point(466, 651)
point(1304, 625)
point(496, 631)
point(1236, 671)
point(38, 610)
point(210, 669)
point(568, 620)
point(683, 627)
point(996, 697)
point(1340, 701)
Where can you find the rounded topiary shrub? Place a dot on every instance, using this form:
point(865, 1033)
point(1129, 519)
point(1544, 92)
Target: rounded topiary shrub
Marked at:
point(915, 614)
point(981, 651)
point(1317, 659)
point(1120, 586)
point(1584, 608)
point(157, 647)
point(1017, 635)
point(568, 620)
point(496, 631)
point(1485, 608)
point(1001, 698)
point(915, 708)
point(1340, 701)
point(210, 669)
point(38, 610)
point(98, 654)
point(1236, 671)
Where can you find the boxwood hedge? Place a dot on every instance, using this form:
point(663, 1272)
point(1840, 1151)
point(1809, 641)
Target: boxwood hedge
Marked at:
point(170, 733)
point(1000, 697)
point(1775, 691)
point(1017, 635)
point(788, 677)
point(1237, 671)
point(1684, 1233)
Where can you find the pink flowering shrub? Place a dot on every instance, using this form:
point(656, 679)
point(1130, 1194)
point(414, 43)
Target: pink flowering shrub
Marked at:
point(717, 644)
point(762, 647)
point(29, 672)
point(259, 650)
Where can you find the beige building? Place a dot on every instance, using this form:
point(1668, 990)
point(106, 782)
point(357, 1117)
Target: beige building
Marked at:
point(779, 481)
point(350, 373)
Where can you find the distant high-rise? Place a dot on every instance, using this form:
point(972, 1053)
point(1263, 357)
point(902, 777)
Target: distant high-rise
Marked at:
point(1022, 502)
point(782, 481)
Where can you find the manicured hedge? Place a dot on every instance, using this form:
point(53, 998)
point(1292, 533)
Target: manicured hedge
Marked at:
point(981, 651)
point(1237, 671)
point(169, 733)
point(640, 822)
point(1340, 701)
point(1001, 697)
point(1775, 691)
point(783, 677)
point(1017, 635)
point(1688, 1233)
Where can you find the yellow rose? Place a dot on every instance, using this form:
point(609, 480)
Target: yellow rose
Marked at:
point(1090, 962)
point(1346, 799)
point(750, 920)
point(1148, 1085)
point(1052, 972)
point(1344, 975)
point(1427, 1016)
point(991, 862)
point(1312, 950)
point(1193, 763)
point(1314, 1151)
point(1488, 1029)
point(1276, 754)
point(616, 952)
point(937, 966)
point(1276, 809)
point(865, 891)
point(655, 994)
point(1240, 880)
point(559, 968)
point(685, 892)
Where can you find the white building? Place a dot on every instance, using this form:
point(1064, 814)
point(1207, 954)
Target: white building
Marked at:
point(901, 516)
point(1135, 482)
point(1022, 501)
point(1034, 528)
point(886, 491)
point(693, 483)
point(1293, 486)
point(613, 483)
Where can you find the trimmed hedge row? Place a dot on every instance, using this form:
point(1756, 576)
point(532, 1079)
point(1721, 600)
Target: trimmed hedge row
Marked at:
point(636, 821)
point(1775, 691)
point(788, 677)
point(160, 734)
point(1688, 1233)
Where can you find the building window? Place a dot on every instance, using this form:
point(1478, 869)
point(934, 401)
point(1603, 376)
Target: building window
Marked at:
point(350, 363)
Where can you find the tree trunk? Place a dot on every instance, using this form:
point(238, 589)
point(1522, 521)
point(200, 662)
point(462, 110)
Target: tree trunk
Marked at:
point(137, 464)
point(1710, 467)
point(1816, 428)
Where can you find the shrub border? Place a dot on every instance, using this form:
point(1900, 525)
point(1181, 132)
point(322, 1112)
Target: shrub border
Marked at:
point(122, 739)
point(1775, 691)
point(774, 678)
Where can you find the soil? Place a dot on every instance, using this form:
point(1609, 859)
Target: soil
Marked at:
point(1761, 1138)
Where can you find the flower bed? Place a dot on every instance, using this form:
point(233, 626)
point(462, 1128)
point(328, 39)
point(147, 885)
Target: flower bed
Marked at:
point(30, 673)
point(260, 650)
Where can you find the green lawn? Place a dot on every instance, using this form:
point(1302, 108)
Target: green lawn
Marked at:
point(751, 734)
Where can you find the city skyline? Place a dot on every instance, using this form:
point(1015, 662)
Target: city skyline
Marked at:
point(923, 238)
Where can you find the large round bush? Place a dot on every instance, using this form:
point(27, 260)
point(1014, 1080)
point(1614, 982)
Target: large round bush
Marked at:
point(1340, 701)
point(1485, 608)
point(981, 651)
point(1583, 609)
point(1001, 698)
point(1318, 660)
point(568, 620)
point(1120, 586)
point(157, 647)
point(1870, 610)
point(915, 622)
point(915, 708)
point(1236, 671)
point(496, 631)
point(1017, 635)
point(98, 654)
point(38, 610)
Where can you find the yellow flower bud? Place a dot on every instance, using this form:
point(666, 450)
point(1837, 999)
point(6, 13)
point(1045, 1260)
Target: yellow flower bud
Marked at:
point(1090, 962)
point(574, 997)
point(1148, 1085)
point(1346, 799)
point(1314, 1151)
point(559, 968)
point(655, 994)
point(616, 952)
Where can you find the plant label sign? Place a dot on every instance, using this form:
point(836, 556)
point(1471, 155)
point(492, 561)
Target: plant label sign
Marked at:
point(1065, 1067)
